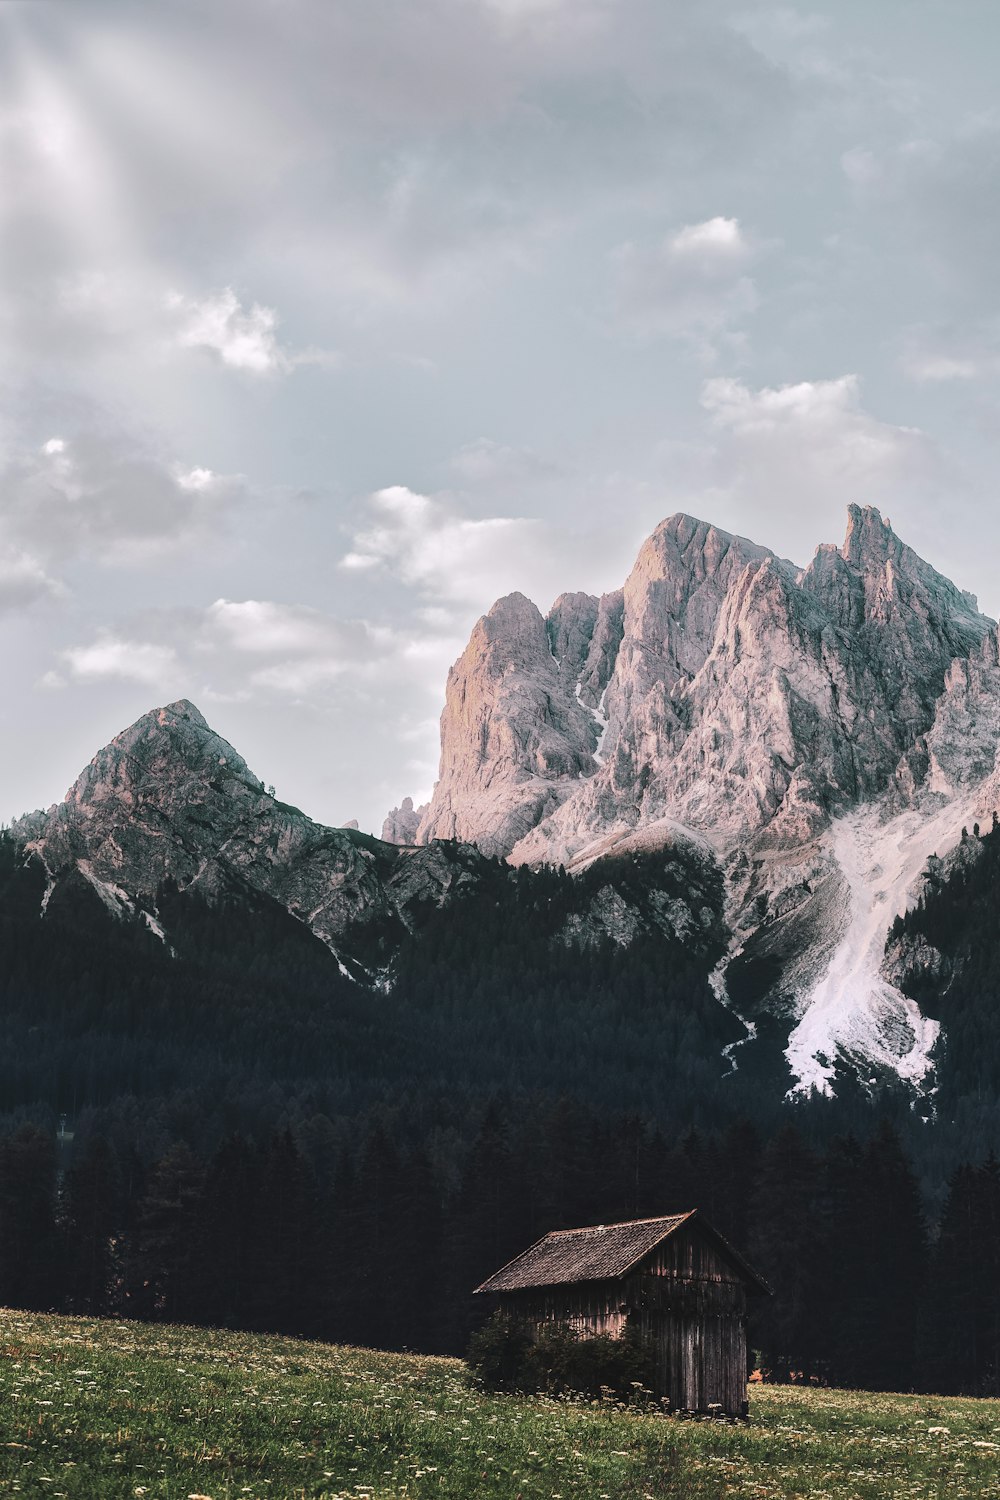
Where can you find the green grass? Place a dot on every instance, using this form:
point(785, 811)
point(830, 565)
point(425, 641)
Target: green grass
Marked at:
point(92, 1409)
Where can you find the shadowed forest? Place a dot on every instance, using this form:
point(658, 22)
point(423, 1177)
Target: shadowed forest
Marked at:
point(252, 1141)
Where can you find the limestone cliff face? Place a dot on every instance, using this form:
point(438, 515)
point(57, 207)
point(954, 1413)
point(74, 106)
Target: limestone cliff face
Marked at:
point(514, 738)
point(727, 689)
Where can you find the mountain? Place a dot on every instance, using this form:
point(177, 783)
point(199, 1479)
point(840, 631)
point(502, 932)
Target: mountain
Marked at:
point(748, 769)
point(174, 941)
point(822, 731)
point(169, 804)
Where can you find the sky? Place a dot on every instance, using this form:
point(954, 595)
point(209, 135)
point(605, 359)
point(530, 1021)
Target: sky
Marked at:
point(323, 323)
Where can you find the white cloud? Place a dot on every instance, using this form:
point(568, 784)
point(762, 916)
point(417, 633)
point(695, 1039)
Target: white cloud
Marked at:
point(24, 581)
point(261, 650)
point(111, 657)
point(294, 632)
point(430, 546)
point(691, 285)
point(241, 340)
point(952, 352)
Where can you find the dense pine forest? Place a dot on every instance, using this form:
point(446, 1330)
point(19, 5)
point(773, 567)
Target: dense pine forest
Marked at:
point(249, 1139)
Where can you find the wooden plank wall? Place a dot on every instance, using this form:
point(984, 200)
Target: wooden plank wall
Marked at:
point(686, 1299)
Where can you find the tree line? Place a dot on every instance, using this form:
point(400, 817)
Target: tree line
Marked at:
point(364, 1238)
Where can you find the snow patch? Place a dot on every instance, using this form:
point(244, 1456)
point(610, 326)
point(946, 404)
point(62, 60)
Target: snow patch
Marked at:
point(599, 717)
point(852, 1008)
point(115, 899)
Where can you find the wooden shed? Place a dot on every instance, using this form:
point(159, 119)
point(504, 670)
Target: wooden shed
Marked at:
point(675, 1279)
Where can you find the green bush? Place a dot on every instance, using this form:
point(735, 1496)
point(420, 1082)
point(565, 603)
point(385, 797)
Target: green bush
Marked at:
point(508, 1355)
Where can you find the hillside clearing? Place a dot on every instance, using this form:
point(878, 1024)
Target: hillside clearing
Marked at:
point(102, 1409)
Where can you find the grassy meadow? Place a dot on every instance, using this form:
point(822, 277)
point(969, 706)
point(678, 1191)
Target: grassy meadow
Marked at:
point(94, 1409)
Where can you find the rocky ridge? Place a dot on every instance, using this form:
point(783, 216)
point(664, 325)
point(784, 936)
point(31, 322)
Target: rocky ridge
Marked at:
point(170, 800)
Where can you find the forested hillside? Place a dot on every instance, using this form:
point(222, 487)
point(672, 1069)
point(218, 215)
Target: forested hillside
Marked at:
point(259, 1142)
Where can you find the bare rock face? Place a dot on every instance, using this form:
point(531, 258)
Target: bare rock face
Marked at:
point(514, 739)
point(752, 699)
point(602, 655)
point(962, 746)
point(400, 826)
point(570, 627)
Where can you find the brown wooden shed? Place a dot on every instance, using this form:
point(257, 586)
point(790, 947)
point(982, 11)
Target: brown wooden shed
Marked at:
point(674, 1278)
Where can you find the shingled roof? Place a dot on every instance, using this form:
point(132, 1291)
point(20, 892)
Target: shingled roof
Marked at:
point(598, 1253)
point(594, 1254)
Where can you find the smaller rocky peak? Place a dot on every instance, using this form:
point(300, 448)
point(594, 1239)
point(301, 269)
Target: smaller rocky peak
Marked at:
point(831, 579)
point(514, 619)
point(570, 624)
point(683, 554)
point(401, 824)
point(165, 750)
point(870, 541)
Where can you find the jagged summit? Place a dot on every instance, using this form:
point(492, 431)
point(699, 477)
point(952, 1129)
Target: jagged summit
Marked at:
point(722, 687)
point(512, 733)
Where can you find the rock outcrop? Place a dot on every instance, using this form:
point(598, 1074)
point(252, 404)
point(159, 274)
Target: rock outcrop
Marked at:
point(514, 738)
point(400, 825)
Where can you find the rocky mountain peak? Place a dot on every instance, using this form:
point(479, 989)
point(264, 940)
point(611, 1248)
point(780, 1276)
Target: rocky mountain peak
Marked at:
point(728, 689)
point(870, 541)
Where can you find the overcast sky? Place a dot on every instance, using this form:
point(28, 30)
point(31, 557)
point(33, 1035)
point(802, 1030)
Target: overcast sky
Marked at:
point(325, 322)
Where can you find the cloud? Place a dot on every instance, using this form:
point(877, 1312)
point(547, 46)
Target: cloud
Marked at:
point(24, 581)
point(111, 657)
point(952, 352)
point(461, 563)
point(376, 154)
point(259, 650)
point(796, 455)
point(691, 284)
point(101, 494)
point(239, 339)
point(486, 462)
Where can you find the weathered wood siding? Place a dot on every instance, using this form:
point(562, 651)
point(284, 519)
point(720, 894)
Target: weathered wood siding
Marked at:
point(686, 1298)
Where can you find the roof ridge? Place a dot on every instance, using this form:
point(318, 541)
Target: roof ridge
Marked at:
point(621, 1223)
